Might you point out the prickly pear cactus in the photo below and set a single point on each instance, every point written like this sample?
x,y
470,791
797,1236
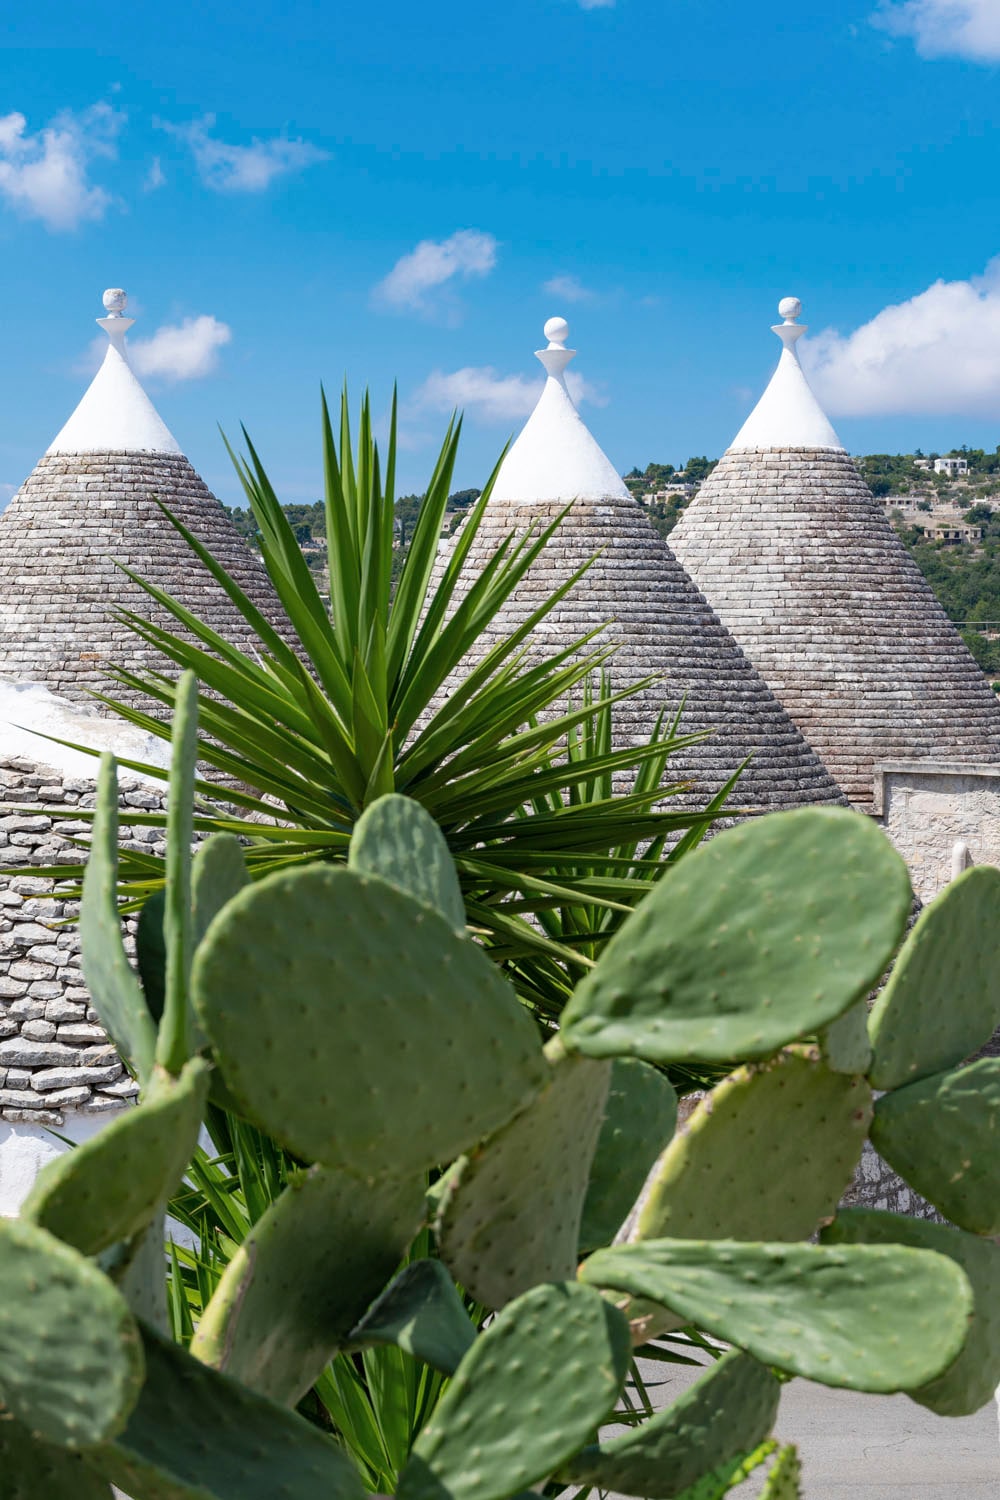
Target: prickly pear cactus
x,y
351,1014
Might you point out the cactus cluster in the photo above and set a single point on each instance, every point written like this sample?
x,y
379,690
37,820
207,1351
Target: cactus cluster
x,y
350,1013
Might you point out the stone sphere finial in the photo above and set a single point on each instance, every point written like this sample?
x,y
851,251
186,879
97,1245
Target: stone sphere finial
x,y
789,308
115,301
556,331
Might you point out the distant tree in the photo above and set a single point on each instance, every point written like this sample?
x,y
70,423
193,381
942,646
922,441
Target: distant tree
x,y
697,469
462,499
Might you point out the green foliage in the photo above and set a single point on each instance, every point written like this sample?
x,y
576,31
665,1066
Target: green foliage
x,y
730,1409
256,1451
784,1480
333,1046
277,1316
870,1317
379,697
529,1393
970,1381
396,839
828,895
954,949
70,1359
421,1312
511,1214
113,986
359,1026
939,1135
640,1116
112,1187
765,1156
31,1470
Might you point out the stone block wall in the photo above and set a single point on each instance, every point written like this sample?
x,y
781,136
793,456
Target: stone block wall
x,y
927,807
54,1056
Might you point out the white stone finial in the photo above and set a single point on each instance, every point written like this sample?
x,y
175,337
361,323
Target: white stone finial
x,y
555,356
116,325
556,330
789,332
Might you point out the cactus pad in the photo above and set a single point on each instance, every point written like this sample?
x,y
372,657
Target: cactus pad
x,y
970,1382
764,935
218,873
32,1470
870,1317
195,1435
151,952
377,1039
179,1035
765,1156
70,1353
110,1187
530,1392
941,1135
422,1313
639,1119
142,1283
845,1044
113,987
942,1001
303,1277
397,839
785,1479
511,1217
732,1407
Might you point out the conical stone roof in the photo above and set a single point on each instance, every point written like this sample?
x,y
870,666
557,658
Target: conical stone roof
x,y
90,503
659,620
792,550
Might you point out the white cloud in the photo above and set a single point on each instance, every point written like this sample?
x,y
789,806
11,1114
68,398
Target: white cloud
x,y
181,351
228,168
937,353
155,177
490,397
188,350
46,175
433,263
940,28
569,288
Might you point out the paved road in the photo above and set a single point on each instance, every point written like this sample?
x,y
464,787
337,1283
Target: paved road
x,y
858,1447
888,1448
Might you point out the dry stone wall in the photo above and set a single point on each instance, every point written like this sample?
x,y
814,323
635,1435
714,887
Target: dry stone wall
x,y
54,1055
928,808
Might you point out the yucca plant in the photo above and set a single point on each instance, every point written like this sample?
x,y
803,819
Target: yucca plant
x,y
377,694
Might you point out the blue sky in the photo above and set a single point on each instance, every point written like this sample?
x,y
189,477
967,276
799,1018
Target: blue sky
x,y
406,192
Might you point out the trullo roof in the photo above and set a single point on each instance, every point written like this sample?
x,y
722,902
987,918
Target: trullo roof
x,y
660,621
794,553
90,503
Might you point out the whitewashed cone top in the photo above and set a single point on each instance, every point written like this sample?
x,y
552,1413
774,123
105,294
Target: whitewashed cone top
x,y
115,415
788,414
555,457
